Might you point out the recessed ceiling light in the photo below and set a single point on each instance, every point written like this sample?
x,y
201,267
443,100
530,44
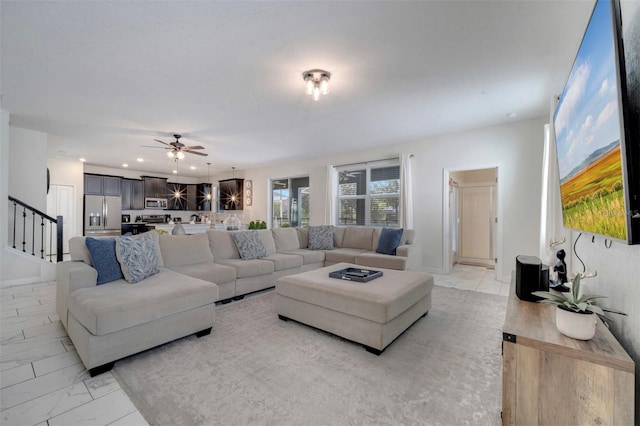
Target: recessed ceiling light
x,y
125,165
511,115
192,167
140,160
83,159
175,172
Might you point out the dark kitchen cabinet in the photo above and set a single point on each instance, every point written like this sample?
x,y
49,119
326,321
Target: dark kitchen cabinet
x,y
101,185
202,190
188,196
192,197
231,194
92,184
137,195
155,187
132,194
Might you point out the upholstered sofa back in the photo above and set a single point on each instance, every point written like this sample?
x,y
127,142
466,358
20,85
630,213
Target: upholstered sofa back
x,y
222,245
78,249
266,236
183,250
358,237
286,239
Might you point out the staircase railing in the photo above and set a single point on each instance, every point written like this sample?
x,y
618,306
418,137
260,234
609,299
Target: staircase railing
x,y
35,215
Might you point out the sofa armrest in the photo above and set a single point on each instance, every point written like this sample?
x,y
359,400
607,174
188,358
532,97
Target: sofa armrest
x,y
70,276
413,254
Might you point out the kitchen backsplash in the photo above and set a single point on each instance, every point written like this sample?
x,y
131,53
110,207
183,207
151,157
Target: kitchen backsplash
x,y
185,216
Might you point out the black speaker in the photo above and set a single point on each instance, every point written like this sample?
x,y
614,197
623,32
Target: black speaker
x,y
531,275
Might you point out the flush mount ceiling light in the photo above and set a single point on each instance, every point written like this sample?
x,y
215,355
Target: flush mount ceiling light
x,y
317,82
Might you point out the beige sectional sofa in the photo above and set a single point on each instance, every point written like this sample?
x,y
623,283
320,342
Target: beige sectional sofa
x,y
113,320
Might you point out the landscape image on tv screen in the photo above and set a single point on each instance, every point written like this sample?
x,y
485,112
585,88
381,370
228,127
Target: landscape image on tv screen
x,y
588,131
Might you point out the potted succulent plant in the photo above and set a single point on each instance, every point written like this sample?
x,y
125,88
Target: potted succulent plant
x,y
575,314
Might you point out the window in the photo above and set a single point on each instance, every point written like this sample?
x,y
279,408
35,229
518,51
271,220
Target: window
x,y
290,202
369,194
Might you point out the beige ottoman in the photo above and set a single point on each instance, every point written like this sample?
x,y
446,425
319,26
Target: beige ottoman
x,y
372,313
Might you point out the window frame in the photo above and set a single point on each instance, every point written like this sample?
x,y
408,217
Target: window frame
x,y
271,210
367,196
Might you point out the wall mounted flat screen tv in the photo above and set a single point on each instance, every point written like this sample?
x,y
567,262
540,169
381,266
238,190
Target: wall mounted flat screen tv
x,y
597,131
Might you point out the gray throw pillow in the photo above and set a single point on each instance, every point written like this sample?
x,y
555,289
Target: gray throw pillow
x,y
137,257
249,245
321,237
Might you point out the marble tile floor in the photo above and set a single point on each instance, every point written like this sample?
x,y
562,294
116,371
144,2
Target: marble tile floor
x,y
43,381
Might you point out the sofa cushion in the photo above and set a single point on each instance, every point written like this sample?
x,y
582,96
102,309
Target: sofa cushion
x,y
283,262
222,245
308,256
266,236
342,255
78,250
285,239
249,268
249,245
117,305
183,250
303,237
137,257
321,237
377,260
212,272
338,235
103,256
358,237
389,240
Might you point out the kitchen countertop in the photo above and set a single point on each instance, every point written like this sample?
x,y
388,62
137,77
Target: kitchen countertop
x,y
189,228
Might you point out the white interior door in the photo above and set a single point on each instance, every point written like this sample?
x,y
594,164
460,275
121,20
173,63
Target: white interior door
x,y
61,202
476,224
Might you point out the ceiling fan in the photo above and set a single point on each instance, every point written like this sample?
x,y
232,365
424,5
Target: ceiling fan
x,y
177,149
345,176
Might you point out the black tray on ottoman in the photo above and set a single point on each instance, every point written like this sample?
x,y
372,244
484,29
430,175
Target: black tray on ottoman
x,y
356,274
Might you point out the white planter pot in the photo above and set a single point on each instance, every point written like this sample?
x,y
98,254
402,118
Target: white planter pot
x,y
576,325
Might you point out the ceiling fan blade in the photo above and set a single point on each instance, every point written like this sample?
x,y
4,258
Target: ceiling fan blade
x,y
203,154
194,147
157,140
154,146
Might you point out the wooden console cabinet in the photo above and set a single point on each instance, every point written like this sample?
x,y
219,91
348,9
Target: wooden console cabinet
x,y
551,379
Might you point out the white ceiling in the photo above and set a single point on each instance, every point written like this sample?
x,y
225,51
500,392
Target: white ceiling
x,y
103,78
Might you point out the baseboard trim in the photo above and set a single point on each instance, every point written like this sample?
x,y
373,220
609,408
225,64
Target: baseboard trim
x,y
20,281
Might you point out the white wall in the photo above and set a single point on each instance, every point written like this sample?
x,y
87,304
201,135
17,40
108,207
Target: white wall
x,y
28,167
4,181
64,171
618,279
516,149
27,181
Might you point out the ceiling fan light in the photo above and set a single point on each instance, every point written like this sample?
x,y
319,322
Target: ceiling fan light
x,y
180,155
316,93
170,154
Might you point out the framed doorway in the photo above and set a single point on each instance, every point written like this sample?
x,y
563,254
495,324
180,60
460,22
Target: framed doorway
x,y
470,218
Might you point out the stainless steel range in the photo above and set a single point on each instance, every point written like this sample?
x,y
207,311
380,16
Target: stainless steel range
x,y
155,218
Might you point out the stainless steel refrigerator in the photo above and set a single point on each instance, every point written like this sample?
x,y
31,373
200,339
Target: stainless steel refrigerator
x,y
102,215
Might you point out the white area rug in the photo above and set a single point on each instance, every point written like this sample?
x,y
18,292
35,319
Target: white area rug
x,y
256,369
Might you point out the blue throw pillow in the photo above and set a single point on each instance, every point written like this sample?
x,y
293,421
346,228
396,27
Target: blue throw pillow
x,y
249,245
103,256
389,240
